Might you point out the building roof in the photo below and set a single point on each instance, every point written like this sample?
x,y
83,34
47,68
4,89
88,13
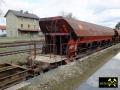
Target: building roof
x,y
23,14
2,27
82,28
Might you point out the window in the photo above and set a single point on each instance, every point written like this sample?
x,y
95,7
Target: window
x,y
28,26
34,26
21,25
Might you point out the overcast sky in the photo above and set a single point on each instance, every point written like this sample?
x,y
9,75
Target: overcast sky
x,y
103,12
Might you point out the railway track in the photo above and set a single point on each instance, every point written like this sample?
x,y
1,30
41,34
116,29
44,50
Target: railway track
x,y
19,47
11,74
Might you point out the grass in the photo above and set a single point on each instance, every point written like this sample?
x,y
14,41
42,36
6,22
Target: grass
x,y
15,58
5,49
18,58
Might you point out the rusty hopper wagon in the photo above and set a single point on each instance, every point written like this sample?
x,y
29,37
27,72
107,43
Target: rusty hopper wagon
x,y
67,37
73,33
11,74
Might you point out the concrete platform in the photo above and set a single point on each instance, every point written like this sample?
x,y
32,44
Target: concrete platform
x,y
49,58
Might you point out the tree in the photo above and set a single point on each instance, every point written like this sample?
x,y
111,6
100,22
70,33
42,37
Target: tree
x,y
67,15
117,25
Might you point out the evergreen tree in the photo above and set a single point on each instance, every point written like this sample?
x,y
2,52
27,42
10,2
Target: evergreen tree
x,y
117,25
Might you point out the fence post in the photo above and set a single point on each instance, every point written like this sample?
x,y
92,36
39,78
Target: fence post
x,y
34,49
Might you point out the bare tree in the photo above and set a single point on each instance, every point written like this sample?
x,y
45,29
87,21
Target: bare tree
x,y
68,15
1,2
